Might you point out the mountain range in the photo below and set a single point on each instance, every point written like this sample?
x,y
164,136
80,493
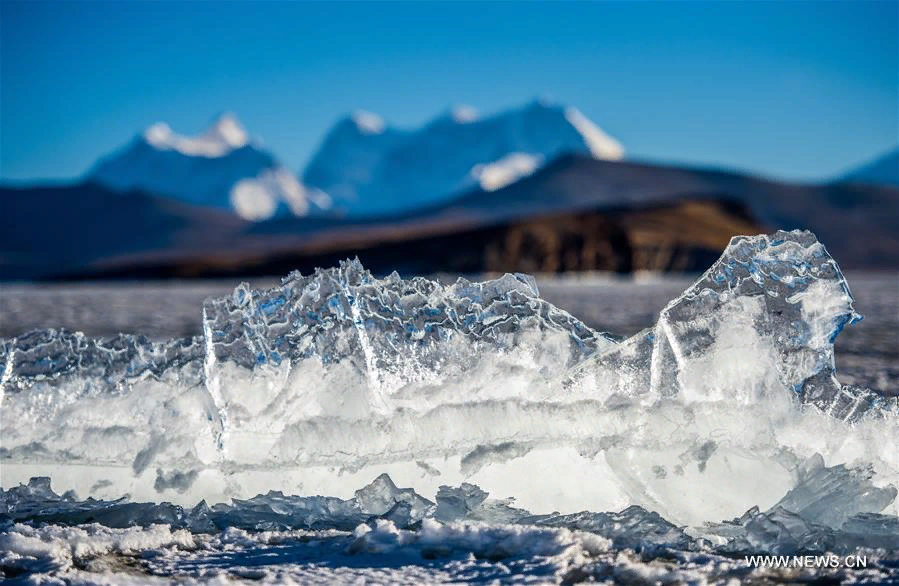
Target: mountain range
x,y
369,168
536,188
219,168
363,167
884,170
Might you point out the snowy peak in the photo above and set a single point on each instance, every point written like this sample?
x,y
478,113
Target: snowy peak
x,y
601,145
567,118
370,168
227,129
368,122
364,166
223,136
457,114
464,114
218,168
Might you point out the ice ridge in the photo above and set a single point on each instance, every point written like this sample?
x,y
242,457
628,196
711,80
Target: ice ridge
x,y
787,528
342,372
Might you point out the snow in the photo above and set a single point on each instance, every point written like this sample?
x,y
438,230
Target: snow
x,y
368,123
219,167
363,168
223,136
601,145
252,201
257,198
58,549
507,170
463,114
370,168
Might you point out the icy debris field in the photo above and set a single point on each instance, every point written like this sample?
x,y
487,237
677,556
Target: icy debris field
x,y
534,448
390,535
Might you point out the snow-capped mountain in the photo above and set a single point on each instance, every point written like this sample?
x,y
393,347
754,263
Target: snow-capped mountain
x,y
219,168
884,170
349,156
369,168
364,167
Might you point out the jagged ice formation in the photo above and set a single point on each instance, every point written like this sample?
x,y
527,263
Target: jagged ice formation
x,y
338,376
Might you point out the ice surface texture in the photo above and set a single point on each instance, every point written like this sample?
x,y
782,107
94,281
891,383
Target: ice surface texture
x,y
764,316
343,371
44,535
794,525
727,409
457,553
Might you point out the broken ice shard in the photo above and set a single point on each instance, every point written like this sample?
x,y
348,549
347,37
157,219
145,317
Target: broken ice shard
x,y
343,369
761,320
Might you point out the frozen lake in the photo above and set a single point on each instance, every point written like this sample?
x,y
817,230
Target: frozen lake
x,y
517,470
867,352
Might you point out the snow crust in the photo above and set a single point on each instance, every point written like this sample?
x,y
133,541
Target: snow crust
x,y
332,379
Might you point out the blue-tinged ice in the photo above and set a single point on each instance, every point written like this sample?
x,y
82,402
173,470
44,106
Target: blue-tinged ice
x,y
761,320
339,374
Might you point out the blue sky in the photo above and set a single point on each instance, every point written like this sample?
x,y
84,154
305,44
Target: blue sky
x,y
798,90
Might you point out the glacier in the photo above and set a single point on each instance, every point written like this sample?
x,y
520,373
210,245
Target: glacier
x,y
728,408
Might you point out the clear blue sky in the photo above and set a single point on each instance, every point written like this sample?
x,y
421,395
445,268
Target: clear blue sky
x,y
798,89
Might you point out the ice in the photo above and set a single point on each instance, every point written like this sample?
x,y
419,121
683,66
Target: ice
x,y
329,380
762,319
829,496
382,497
831,509
458,502
783,532
789,526
778,531
634,528
36,502
272,537
391,331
